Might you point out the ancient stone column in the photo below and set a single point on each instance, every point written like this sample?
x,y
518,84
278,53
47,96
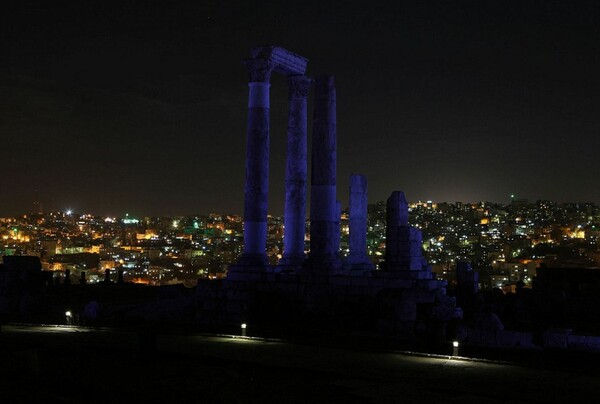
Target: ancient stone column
x,y
467,280
323,212
107,276
295,174
358,257
257,164
403,243
396,216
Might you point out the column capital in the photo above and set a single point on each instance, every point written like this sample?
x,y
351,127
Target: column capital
x,y
298,86
259,69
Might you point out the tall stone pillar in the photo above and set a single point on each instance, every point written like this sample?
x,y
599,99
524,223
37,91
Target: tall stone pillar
x,y
358,259
323,212
295,174
257,164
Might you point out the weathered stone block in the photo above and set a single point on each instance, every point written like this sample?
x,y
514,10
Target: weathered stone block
x,y
489,337
584,342
403,233
340,280
406,309
409,249
416,235
508,338
473,335
362,282
410,263
556,338
426,296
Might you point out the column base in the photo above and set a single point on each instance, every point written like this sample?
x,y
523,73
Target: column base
x,y
323,264
358,263
250,267
295,261
358,268
252,260
246,273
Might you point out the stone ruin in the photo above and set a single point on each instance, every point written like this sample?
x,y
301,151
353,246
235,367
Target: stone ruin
x,y
402,298
21,285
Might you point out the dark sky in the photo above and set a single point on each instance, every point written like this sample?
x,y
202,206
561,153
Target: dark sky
x,y
140,107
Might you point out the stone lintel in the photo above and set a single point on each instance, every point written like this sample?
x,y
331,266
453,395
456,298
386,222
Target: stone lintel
x,y
286,62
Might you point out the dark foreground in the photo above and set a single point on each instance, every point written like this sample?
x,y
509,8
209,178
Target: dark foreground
x,y
72,365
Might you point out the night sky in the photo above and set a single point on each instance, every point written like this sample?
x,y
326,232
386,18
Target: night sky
x,y
140,107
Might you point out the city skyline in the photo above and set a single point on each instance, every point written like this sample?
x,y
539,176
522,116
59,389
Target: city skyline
x,y
491,237
142,108
135,214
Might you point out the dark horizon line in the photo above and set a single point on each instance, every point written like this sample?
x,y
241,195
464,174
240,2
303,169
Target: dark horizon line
x,y
77,213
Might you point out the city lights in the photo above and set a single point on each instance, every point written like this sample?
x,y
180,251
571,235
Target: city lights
x,y
505,248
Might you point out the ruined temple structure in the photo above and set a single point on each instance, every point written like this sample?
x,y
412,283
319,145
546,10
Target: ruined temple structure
x,y
402,298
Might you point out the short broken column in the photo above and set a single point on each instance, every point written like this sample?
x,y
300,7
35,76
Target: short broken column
x,y
467,280
323,212
107,279
358,259
296,171
403,244
396,216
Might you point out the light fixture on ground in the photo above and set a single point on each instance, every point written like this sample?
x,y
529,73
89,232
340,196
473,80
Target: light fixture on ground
x,y
68,317
243,327
454,348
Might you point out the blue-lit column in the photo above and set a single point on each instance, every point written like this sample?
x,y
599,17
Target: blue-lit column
x,y
296,171
257,164
323,209
358,216
397,218
358,258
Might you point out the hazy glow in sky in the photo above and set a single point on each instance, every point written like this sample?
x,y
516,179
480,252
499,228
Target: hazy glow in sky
x,y
142,108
